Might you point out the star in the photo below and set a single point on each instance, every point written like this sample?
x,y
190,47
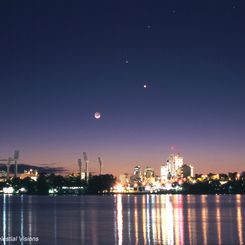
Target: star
x,y
126,61
145,86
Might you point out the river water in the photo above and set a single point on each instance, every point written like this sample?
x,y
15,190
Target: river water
x,y
123,219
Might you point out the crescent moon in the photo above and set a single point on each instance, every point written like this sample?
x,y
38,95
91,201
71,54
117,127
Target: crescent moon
x,y
97,115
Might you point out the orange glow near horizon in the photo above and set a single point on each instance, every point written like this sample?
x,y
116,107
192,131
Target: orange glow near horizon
x,y
116,162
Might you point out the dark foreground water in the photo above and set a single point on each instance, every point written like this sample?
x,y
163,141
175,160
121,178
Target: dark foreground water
x,y
123,219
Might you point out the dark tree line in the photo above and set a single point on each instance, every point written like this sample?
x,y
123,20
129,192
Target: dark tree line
x,y
214,187
61,185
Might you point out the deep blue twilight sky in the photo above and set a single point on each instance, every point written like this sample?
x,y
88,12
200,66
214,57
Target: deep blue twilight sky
x,y
62,61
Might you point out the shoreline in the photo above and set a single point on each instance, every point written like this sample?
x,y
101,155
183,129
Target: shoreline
x,y
123,193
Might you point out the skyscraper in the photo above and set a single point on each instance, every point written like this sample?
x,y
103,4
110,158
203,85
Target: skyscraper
x,y
172,166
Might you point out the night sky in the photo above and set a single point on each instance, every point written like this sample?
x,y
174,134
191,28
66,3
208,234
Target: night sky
x,y
62,61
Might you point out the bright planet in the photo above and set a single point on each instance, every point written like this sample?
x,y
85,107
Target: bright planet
x,y
97,115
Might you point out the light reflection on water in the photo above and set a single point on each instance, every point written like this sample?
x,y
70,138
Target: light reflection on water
x,y
21,218
240,219
119,219
4,219
125,219
136,219
218,219
204,218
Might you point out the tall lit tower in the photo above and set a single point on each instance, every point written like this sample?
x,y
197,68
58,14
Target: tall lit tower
x,y
100,163
8,166
86,166
16,158
79,162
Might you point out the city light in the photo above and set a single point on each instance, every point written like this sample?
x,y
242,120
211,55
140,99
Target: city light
x,y
8,190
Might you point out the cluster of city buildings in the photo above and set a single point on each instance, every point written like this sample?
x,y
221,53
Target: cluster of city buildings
x,y
173,173
173,170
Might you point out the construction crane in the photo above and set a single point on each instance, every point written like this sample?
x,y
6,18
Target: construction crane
x,y
86,166
100,163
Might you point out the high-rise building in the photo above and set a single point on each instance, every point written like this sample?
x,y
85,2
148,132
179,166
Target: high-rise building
x,y
149,173
124,180
175,168
137,171
149,176
137,176
174,162
164,173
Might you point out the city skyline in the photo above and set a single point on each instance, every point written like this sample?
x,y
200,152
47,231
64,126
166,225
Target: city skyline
x,y
95,166
159,74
